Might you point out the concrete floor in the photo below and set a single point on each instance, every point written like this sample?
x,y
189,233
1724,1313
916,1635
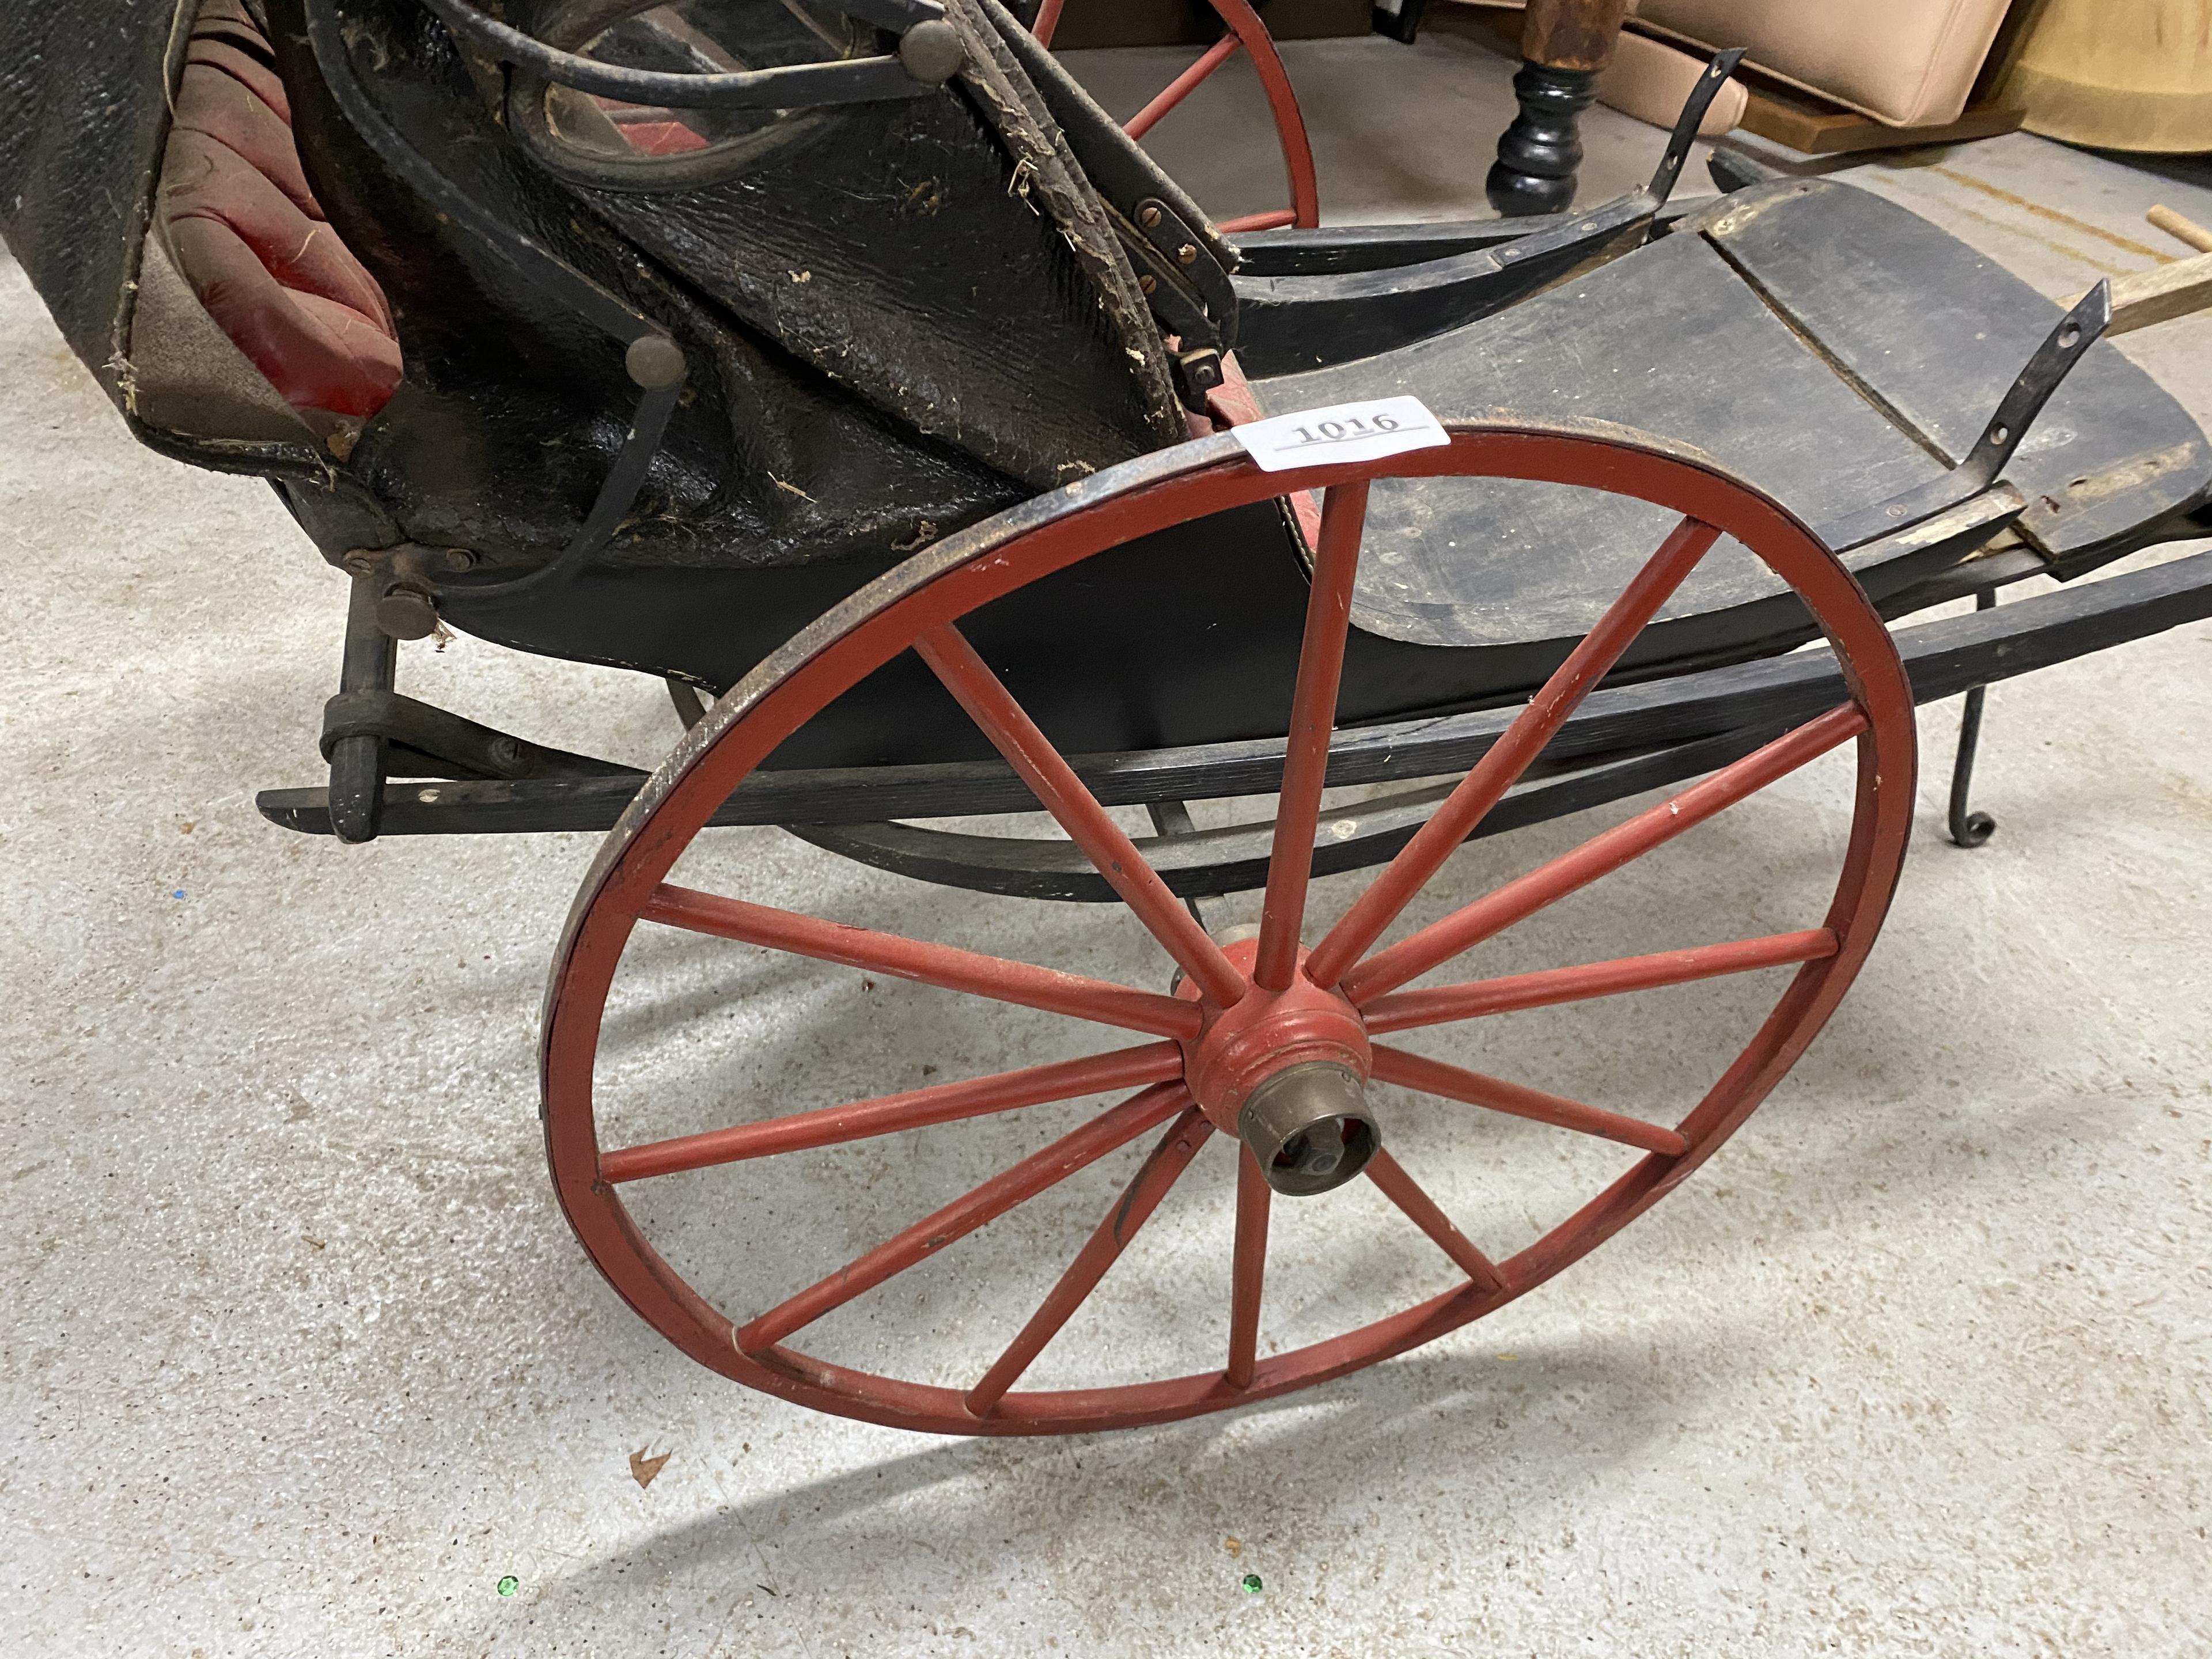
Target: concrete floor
x,y
303,1360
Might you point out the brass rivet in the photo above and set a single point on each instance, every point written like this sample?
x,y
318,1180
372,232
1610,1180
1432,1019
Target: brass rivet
x,y
1148,283
1186,254
1148,217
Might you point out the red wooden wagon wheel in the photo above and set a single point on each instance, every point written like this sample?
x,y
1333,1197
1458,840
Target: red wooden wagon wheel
x,y
1243,27
1264,1043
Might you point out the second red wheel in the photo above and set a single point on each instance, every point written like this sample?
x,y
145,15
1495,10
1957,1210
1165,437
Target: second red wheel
x,y
1287,1056
1242,29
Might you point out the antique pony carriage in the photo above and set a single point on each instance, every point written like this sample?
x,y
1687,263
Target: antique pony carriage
x,y
841,363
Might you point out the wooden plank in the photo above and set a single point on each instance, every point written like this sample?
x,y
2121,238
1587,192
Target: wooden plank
x,y
1936,333
2143,297
1818,128
1667,339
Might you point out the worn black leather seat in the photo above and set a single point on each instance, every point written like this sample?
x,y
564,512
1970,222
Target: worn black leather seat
x,y
900,316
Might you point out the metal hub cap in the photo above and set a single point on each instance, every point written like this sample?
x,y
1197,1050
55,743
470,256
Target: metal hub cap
x,y
1309,1127
1285,1072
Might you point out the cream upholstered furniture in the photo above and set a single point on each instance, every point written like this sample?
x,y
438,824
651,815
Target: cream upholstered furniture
x,y
1908,65
1904,63
1650,79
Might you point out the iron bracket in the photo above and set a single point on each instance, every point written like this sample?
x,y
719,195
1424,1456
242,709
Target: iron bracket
x,y
2067,344
427,741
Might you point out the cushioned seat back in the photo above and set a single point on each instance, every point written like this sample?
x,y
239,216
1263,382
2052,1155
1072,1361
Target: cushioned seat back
x,y
237,217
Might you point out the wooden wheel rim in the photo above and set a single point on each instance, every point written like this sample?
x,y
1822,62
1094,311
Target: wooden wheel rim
x,y
1243,25
1023,545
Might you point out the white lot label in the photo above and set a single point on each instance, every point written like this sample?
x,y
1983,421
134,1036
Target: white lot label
x,y
1342,431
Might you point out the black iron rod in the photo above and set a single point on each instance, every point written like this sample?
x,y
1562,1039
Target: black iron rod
x,y
369,663
1970,829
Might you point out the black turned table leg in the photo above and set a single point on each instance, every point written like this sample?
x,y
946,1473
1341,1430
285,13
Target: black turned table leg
x,y
1564,45
1539,155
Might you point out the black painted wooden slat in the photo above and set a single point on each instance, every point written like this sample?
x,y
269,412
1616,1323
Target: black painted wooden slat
x,y
1943,658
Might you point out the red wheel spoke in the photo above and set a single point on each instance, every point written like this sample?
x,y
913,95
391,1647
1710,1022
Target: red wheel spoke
x,y
1274,221
1602,853
1404,1010
1387,1174
1114,1128
945,1103
1131,1211
1048,20
1312,721
1244,28
1516,748
988,703
1182,86
942,965
1434,1077
1248,1271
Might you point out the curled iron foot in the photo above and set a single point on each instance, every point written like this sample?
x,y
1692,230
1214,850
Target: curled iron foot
x,y
1970,829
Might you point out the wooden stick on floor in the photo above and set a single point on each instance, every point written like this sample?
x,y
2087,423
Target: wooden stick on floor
x,y
2181,229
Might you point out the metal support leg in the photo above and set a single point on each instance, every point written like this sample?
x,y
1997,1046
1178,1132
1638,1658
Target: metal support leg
x,y
690,706
1172,818
357,763
1970,829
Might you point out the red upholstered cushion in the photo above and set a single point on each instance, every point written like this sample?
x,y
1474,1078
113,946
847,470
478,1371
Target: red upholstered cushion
x,y
252,241
659,138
